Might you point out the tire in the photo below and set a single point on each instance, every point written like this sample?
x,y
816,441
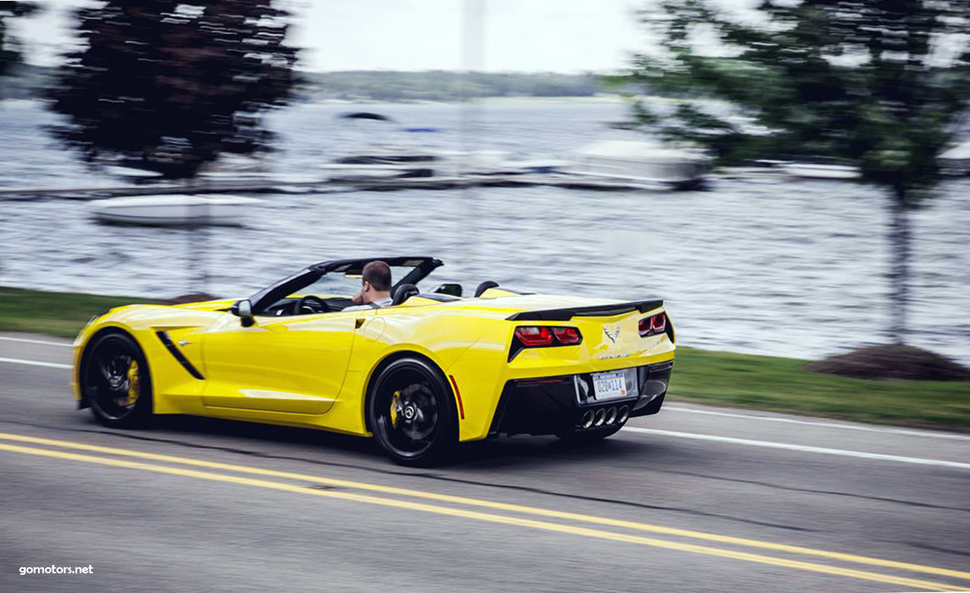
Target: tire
x,y
412,413
116,381
585,437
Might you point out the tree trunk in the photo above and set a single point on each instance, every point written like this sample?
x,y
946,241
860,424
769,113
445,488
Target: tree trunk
x,y
899,268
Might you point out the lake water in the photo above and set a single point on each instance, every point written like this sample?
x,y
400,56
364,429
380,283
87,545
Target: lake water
x,y
793,269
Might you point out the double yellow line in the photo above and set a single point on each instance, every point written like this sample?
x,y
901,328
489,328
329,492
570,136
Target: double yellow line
x,y
490,517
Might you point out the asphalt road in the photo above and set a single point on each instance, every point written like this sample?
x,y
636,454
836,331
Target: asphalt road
x,y
693,499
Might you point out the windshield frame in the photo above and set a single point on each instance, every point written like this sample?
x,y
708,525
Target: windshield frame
x,y
422,266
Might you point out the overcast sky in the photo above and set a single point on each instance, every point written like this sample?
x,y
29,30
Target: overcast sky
x,y
519,35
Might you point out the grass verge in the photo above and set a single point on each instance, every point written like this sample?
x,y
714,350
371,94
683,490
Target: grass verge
x,y
703,376
785,385
61,314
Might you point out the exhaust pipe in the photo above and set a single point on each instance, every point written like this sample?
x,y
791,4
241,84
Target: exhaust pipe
x,y
587,420
623,414
611,416
599,417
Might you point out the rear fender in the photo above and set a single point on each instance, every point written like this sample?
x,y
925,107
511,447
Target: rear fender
x,y
441,337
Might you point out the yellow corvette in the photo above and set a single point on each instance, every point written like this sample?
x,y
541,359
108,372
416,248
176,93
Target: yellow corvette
x,y
419,375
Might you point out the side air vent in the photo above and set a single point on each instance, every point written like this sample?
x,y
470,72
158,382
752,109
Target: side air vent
x,y
173,349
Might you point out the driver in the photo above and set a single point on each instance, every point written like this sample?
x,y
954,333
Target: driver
x,y
375,287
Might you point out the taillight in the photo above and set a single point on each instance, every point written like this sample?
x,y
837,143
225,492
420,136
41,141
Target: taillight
x,y
567,336
541,336
653,325
534,337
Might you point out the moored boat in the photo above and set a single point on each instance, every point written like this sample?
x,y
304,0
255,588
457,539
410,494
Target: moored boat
x,y
640,162
956,160
174,210
822,171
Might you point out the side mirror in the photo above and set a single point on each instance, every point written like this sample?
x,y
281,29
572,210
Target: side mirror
x,y
244,309
449,288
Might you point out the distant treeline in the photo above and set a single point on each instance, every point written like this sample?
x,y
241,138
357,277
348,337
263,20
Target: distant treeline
x,y
27,81
440,85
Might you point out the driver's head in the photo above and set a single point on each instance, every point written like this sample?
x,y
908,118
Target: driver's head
x,y
376,282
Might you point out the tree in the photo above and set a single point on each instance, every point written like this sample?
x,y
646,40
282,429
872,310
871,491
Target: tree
x,y
880,84
9,51
167,86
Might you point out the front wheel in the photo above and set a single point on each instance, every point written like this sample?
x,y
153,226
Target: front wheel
x,y
411,413
116,381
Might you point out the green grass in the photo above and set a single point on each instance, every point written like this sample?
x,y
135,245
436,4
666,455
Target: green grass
x,y
53,313
703,376
784,385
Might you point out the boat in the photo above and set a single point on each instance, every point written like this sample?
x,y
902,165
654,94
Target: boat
x,y
365,116
135,176
403,161
391,158
640,162
956,160
131,172
381,162
174,210
822,171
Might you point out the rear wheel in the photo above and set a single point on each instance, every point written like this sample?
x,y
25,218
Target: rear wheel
x,y
116,382
411,413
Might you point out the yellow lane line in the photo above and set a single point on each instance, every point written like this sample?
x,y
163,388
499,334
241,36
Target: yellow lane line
x,y
488,517
527,510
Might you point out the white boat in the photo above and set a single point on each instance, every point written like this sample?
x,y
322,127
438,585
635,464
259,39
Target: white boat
x,y
131,172
640,163
956,160
236,167
391,161
174,209
389,157
821,171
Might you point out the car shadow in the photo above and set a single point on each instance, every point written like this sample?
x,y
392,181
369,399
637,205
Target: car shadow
x,y
334,449
526,451
248,438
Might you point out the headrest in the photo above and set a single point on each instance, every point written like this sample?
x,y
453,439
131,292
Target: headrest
x,y
403,293
485,286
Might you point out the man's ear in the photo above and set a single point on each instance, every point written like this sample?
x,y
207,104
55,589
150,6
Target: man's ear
x,y
364,286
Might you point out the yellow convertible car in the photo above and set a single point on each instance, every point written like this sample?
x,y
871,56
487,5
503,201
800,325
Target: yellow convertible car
x,y
421,374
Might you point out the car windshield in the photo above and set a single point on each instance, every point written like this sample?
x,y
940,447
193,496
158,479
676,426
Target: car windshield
x,y
347,284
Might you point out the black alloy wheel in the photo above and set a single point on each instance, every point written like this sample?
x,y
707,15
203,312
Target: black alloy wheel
x,y
411,412
115,380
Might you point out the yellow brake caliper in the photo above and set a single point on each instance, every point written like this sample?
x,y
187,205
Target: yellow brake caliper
x,y
395,404
134,385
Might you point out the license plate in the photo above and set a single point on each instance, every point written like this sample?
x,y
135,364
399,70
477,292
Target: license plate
x,y
610,385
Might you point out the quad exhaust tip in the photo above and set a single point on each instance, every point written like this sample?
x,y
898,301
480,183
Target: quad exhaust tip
x,y
598,417
623,414
604,417
610,416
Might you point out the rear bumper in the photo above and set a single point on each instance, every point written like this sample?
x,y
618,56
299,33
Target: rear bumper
x,y
551,405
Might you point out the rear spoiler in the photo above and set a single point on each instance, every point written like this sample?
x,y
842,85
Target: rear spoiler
x,y
594,311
